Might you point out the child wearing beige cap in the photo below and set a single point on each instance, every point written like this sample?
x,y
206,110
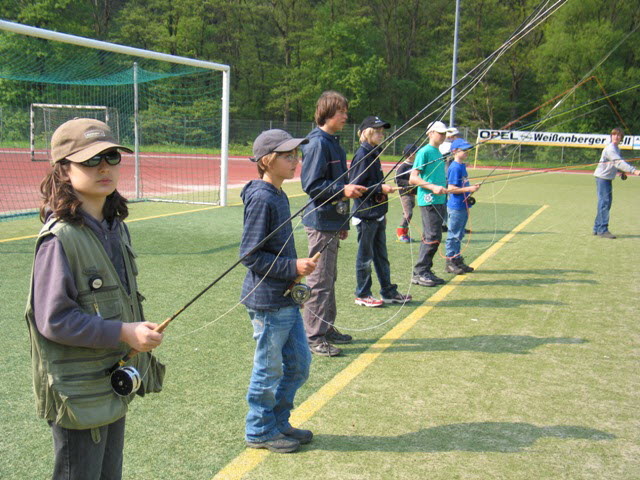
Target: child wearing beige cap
x,y
84,310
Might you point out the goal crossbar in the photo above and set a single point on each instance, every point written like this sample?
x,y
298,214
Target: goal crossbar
x,y
138,52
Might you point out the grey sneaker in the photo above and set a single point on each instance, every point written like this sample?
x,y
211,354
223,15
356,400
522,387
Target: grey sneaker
x,y
334,336
281,443
303,436
427,279
607,234
397,298
324,349
423,281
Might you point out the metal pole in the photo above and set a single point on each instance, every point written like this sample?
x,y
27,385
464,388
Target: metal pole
x,y
452,116
224,134
136,138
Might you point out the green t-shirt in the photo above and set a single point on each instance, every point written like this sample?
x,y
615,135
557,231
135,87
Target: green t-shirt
x,y
431,164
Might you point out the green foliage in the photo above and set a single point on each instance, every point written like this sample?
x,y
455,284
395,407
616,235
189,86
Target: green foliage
x,y
389,58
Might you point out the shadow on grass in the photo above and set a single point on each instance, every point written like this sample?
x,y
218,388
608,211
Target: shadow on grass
x,y
504,232
503,437
527,282
546,271
494,302
516,344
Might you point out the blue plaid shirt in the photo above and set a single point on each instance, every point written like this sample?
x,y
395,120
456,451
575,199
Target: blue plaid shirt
x,y
272,267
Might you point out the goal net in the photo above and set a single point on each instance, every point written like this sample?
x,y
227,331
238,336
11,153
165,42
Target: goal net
x,y
171,111
44,118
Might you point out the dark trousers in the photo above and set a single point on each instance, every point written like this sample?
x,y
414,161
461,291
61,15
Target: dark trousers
x,y
319,313
432,217
372,248
92,454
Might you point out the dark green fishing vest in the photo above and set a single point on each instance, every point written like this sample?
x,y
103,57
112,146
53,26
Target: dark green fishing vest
x,y
71,384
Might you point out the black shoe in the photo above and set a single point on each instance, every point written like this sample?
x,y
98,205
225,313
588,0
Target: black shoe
x,y
460,261
324,349
607,234
281,443
438,280
337,338
303,436
453,267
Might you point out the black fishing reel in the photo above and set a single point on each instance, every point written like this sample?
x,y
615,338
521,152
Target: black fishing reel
x,y
125,380
471,201
380,198
623,176
342,207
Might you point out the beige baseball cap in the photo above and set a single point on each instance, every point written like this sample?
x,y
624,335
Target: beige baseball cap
x,y
82,138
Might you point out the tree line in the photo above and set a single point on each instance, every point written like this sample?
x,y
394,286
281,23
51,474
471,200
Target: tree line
x,y
389,57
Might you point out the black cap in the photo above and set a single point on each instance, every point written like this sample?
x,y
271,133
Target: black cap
x,y
373,122
274,140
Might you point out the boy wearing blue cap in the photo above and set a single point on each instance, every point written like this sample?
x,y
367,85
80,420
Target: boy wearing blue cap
x,y
458,206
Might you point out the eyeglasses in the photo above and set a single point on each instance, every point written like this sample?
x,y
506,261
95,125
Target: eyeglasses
x,y
290,157
112,158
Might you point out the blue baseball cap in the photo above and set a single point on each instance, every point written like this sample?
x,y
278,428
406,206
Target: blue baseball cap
x,y
460,144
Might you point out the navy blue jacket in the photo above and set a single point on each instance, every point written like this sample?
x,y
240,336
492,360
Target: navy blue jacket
x,y
272,267
366,170
323,162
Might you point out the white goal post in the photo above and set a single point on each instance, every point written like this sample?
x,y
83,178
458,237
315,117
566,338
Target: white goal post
x,y
19,29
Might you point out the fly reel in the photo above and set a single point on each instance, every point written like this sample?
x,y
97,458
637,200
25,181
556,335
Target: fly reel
x,y
471,201
623,176
125,381
300,293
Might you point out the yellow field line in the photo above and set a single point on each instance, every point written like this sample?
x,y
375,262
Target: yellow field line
x,y
251,458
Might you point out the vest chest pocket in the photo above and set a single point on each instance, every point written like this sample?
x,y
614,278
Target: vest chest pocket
x,y
104,302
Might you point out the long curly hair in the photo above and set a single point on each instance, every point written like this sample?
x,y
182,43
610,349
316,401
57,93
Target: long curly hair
x,y
59,198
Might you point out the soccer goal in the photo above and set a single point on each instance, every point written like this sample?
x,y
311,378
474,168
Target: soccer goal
x,y
44,118
173,112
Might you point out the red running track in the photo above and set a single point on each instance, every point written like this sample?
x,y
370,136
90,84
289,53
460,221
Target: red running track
x,y
161,174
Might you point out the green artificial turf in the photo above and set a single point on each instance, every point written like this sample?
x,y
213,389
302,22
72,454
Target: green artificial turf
x,y
527,369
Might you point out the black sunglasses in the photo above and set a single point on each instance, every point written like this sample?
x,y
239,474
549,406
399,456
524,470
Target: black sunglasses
x,y
112,158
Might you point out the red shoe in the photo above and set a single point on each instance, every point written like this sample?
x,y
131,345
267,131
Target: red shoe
x,y
369,302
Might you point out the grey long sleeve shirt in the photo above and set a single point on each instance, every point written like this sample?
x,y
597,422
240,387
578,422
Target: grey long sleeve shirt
x,y
610,162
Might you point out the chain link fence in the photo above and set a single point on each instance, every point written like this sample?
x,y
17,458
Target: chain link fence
x,y
244,132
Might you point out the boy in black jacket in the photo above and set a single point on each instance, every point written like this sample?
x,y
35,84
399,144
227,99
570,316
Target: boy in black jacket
x,y
369,217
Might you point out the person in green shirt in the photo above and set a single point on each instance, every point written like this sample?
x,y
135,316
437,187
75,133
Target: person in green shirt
x,y
429,176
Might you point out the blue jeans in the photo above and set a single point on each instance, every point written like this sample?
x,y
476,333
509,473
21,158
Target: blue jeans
x,y
605,198
280,366
372,248
457,222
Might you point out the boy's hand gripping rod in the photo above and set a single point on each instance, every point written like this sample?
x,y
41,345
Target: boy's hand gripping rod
x,y
299,291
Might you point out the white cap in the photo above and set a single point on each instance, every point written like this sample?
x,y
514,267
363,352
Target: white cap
x,y
437,127
451,131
